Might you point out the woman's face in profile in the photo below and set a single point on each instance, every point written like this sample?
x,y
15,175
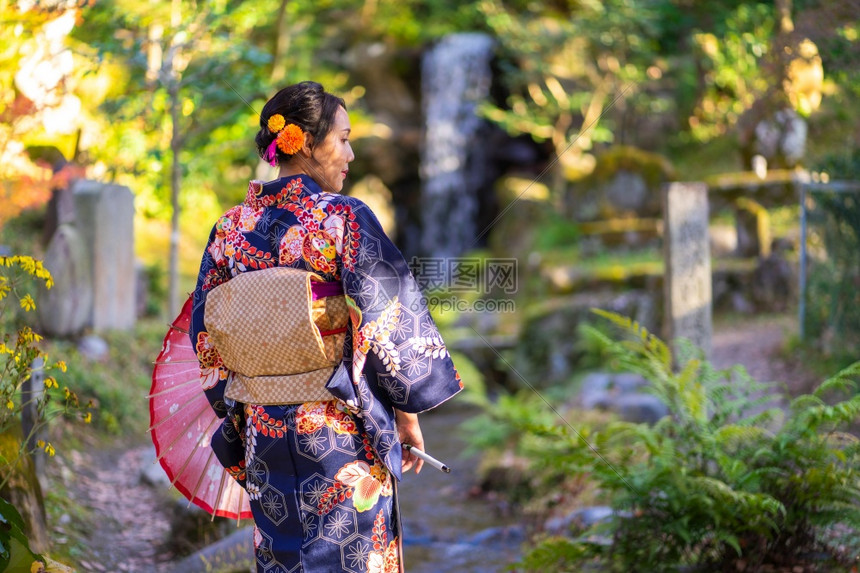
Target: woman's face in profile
x,y
335,153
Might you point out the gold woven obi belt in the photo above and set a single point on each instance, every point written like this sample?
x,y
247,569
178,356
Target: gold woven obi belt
x,y
281,331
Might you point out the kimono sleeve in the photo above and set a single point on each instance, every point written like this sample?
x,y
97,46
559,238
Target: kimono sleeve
x,y
213,373
396,346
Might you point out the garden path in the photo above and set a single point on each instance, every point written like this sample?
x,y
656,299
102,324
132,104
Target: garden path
x,y
757,343
113,521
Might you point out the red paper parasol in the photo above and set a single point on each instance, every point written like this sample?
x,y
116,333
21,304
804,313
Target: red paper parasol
x,y
181,423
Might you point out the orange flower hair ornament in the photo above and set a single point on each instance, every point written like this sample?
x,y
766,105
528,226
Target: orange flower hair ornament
x,y
289,138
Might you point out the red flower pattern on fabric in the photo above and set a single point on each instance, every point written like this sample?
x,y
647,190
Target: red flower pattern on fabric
x,y
319,235
384,558
212,369
237,472
266,425
313,416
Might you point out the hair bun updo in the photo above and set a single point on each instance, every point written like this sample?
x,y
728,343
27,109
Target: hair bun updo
x,y
305,104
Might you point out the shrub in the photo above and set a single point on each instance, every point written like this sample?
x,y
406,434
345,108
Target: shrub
x,y
21,357
726,478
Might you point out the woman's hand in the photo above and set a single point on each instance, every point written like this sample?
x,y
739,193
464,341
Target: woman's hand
x,y
410,433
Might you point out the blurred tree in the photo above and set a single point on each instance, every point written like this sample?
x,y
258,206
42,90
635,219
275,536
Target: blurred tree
x,y
763,61
565,65
180,62
35,101
834,27
728,58
190,78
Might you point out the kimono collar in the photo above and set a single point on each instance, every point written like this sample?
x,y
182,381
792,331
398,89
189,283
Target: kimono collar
x,y
262,194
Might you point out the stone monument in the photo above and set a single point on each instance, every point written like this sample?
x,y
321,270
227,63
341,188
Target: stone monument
x,y
104,215
65,310
687,283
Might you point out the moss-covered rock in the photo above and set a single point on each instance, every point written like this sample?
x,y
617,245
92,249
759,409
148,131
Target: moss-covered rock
x,y
625,181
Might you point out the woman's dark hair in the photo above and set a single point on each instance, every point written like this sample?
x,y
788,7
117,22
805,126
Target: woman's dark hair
x,y
307,105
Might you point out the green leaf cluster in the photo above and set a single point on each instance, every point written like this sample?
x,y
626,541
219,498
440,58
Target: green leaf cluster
x,y
728,475
15,553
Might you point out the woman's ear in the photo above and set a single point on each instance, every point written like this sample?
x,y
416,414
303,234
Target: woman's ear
x,y
308,146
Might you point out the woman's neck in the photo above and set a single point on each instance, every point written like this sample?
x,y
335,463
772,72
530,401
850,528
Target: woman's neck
x,y
302,166
291,169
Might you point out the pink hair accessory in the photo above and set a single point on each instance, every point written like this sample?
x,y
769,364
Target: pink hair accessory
x,y
272,153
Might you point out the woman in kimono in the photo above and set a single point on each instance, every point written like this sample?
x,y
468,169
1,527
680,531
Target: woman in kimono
x,y
322,475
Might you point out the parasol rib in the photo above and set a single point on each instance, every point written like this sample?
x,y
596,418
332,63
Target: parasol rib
x,y
238,509
218,497
172,388
191,454
178,328
202,474
176,439
200,480
178,410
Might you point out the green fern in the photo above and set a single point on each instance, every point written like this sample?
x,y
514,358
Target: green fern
x,y
727,474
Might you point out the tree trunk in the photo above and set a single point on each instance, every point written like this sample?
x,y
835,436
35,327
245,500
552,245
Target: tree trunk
x,y
281,45
22,489
175,182
173,80
786,24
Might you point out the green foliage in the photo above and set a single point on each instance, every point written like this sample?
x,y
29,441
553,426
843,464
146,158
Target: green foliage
x,y
555,231
176,55
15,552
832,316
500,423
726,476
117,384
731,57
156,289
21,358
557,554
411,22
841,165
563,68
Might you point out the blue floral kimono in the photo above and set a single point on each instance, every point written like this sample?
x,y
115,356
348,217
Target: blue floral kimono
x,y
319,474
